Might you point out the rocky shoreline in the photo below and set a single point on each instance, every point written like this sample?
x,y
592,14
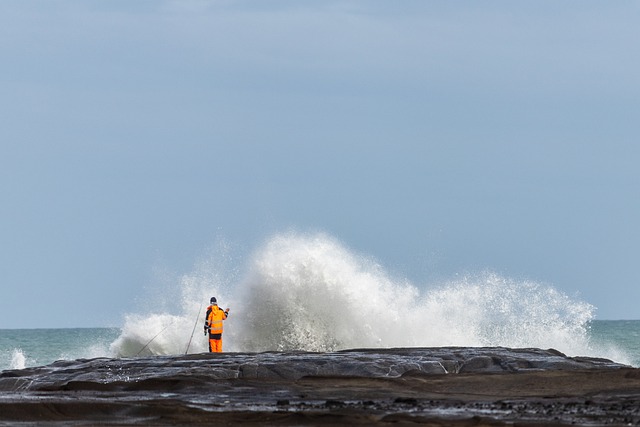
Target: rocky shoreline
x,y
407,386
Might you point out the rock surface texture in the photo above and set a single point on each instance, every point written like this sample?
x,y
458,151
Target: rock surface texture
x,y
404,386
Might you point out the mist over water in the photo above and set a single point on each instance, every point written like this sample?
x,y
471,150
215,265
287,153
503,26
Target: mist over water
x,y
309,292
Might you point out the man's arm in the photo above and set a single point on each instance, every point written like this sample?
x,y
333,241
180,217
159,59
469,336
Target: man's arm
x,y
206,321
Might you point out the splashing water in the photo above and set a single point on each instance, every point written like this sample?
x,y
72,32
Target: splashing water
x,y
162,333
309,292
18,359
489,310
313,294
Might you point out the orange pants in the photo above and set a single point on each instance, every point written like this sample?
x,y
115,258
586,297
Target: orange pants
x,y
215,346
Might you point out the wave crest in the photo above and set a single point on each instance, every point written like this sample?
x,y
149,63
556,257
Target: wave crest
x,y
309,292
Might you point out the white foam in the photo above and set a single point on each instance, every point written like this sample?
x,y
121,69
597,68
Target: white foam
x,y
309,292
18,359
162,333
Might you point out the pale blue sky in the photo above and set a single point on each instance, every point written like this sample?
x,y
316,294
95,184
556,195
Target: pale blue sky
x,y
438,137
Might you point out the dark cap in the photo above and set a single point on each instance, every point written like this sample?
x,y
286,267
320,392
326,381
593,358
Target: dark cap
x,y
213,300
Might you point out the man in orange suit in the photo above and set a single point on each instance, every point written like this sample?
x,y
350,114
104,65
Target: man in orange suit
x,y
213,325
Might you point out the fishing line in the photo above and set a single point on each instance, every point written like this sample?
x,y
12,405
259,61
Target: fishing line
x,y
194,329
156,336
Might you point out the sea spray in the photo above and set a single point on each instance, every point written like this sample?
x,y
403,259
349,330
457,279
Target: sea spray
x,y
18,359
310,292
490,310
161,333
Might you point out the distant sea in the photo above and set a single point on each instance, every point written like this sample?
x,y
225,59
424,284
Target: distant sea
x,y
23,348
621,336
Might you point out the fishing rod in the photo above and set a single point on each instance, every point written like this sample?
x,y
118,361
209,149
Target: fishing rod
x,y
194,329
156,336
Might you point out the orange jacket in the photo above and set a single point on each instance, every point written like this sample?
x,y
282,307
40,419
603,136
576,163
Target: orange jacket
x,y
213,320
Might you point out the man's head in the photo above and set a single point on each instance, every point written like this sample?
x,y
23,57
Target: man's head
x,y
213,301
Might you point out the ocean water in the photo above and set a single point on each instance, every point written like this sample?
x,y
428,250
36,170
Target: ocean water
x,y
309,292
618,340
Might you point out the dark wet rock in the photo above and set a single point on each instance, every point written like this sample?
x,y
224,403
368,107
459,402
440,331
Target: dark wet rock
x,y
439,386
370,363
406,401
